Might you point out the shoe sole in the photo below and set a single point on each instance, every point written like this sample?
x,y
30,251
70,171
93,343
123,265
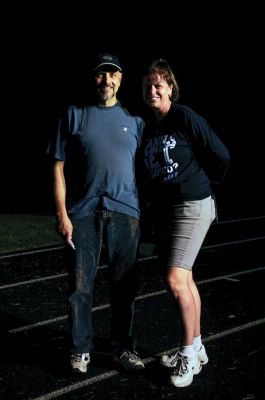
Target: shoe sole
x,y
183,384
79,371
118,362
127,368
137,368
188,383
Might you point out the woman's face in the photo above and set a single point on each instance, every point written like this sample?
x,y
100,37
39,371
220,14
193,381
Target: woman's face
x,y
156,93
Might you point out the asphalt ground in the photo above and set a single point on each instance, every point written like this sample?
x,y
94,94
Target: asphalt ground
x,y
35,338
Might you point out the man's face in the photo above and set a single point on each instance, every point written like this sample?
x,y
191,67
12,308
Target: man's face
x,y
107,81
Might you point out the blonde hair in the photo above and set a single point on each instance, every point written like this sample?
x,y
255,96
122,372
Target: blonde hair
x,y
162,68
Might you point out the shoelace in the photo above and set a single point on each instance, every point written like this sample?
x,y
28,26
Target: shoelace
x,y
130,355
78,357
181,366
174,357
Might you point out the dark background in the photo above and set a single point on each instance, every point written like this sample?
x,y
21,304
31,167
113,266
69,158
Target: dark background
x,y
217,54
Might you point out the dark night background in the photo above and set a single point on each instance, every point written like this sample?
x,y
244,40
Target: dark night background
x,y
216,52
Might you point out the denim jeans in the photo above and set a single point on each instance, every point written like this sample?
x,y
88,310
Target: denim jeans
x,y
120,233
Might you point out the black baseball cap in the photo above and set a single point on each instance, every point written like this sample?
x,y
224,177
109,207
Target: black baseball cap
x,y
107,59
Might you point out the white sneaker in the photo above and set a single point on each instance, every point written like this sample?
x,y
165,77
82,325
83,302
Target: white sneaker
x,y
182,374
202,356
79,362
170,360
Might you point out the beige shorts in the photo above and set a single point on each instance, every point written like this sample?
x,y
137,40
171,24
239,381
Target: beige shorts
x,y
186,226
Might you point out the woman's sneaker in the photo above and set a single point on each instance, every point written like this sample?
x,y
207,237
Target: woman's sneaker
x,y
79,362
129,360
185,367
170,360
202,356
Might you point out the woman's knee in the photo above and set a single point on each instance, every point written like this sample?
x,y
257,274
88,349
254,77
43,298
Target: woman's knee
x,y
177,279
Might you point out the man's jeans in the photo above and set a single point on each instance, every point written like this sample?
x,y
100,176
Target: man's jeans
x,y
121,237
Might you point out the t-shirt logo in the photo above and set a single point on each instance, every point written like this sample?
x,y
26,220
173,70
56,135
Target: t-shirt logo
x,y
124,128
158,157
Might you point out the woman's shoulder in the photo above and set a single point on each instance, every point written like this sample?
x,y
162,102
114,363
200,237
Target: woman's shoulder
x,y
182,109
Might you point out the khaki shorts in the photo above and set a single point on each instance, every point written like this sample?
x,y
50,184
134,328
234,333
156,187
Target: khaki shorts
x,y
183,231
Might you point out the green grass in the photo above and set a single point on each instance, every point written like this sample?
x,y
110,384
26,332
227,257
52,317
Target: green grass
x,y
20,232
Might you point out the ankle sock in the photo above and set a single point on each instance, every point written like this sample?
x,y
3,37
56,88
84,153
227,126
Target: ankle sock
x,y
188,351
197,343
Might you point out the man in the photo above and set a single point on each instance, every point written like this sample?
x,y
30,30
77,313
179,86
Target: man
x,y
95,197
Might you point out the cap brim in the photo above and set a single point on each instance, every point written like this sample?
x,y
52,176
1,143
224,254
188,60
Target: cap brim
x,y
112,64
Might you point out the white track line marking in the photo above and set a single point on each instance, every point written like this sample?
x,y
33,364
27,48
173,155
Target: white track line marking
x,y
60,247
56,276
110,374
232,243
28,282
142,297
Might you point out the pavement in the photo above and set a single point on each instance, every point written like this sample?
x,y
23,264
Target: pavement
x,y
35,337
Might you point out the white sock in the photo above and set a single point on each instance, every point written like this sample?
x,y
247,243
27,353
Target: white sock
x,y
188,351
197,343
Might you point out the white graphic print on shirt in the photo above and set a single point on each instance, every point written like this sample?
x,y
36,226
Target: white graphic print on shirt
x,y
157,157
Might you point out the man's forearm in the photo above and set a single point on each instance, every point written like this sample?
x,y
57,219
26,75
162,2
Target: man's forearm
x,y
65,227
59,190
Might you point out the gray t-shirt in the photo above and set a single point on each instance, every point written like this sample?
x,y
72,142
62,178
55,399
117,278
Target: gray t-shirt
x,y
98,145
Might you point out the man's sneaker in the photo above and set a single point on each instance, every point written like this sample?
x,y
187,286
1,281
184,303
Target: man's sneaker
x,y
182,374
79,362
129,360
169,360
202,356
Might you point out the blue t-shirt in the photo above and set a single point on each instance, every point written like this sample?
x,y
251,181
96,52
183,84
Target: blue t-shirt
x,y
98,145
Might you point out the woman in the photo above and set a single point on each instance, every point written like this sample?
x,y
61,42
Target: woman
x,y
182,156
